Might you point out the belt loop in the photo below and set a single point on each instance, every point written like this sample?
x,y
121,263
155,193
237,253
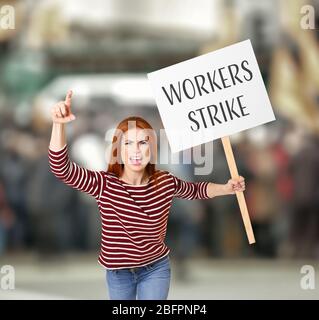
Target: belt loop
x,y
133,270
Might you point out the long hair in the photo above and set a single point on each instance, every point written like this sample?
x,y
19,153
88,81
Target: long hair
x,y
116,165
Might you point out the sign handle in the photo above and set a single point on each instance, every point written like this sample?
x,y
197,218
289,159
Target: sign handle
x,y
240,195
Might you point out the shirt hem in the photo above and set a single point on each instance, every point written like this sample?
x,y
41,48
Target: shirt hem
x,y
139,266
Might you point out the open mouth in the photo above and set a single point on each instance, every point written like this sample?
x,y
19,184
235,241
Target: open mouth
x,y
136,160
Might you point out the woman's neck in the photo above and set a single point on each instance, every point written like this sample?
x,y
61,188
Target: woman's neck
x,y
134,178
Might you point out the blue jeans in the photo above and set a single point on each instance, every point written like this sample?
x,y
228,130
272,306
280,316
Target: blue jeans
x,y
150,282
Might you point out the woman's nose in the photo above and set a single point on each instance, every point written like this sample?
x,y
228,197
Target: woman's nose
x,y
136,147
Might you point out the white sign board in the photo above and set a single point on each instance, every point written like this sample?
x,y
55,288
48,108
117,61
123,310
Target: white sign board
x,y
211,96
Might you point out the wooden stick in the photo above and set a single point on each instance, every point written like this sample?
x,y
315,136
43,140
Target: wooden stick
x,y
239,194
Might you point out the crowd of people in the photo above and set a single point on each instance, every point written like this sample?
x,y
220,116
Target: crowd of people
x,y
280,162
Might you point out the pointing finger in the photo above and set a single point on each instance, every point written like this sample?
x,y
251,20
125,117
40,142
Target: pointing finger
x,y
68,98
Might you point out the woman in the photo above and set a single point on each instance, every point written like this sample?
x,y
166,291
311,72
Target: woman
x,y
134,201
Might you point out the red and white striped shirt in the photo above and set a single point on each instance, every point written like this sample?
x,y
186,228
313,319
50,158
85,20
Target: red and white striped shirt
x,y
134,217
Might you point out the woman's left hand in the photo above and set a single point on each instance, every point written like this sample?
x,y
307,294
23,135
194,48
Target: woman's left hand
x,y
234,185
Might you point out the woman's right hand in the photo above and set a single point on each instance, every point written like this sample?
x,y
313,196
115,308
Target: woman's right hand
x,y
61,112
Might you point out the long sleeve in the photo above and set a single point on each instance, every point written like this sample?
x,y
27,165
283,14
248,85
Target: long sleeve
x,y
190,190
88,181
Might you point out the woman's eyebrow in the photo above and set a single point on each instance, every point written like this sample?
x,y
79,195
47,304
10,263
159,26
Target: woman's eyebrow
x,y
127,140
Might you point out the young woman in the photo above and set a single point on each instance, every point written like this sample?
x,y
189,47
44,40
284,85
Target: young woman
x,y
134,200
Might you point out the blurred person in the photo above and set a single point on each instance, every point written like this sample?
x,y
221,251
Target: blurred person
x,y
14,174
304,223
134,201
7,220
262,188
53,222
284,184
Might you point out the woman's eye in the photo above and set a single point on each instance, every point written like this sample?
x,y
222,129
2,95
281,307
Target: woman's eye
x,y
143,142
127,142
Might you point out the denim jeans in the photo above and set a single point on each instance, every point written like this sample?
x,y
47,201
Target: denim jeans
x,y
150,282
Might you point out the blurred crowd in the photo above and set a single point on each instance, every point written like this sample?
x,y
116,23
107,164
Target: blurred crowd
x,y
279,160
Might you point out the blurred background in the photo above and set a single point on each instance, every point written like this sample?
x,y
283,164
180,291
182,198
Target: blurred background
x,y
102,50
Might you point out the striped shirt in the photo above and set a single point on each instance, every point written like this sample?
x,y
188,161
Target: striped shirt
x,y
134,217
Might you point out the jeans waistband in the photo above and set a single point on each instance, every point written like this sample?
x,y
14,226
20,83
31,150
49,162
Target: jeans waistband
x,y
148,265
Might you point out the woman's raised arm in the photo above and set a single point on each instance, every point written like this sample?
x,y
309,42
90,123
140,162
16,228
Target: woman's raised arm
x,y
61,114
62,167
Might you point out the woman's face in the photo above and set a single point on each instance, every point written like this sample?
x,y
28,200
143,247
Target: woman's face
x,y
135,149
